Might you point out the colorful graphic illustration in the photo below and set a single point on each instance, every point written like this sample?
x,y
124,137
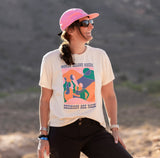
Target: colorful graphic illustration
x,y
79,86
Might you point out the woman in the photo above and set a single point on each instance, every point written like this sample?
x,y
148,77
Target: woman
x,y
73,80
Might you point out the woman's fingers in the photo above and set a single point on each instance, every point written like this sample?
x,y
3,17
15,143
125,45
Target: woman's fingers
x,y
122,143
42,147
47,148
117,138
115,135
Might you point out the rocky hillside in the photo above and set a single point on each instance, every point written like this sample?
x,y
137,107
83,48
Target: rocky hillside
x,y
127,29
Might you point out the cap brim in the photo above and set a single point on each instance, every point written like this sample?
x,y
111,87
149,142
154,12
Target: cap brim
x,y
93,15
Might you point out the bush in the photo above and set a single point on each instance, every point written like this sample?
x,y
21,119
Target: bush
x,y
151,87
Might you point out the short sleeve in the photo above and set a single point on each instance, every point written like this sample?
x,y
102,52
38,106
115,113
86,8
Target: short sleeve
x,y
107,71
46,74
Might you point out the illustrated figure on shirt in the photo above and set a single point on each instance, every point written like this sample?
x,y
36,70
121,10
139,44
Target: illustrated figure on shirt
x,y
66,87
87,78
83,92
78,90
74,83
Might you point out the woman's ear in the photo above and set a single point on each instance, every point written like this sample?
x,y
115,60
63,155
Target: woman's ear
x,y
70,31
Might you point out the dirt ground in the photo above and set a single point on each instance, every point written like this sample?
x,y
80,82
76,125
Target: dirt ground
x,y
138,118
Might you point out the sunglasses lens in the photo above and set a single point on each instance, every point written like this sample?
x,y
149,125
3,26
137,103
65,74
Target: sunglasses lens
x,y
85,23
91,22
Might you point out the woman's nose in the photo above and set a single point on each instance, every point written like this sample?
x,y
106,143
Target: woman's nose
x,y
90,26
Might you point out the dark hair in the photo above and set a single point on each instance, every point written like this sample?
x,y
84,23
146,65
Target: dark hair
x,y
66,53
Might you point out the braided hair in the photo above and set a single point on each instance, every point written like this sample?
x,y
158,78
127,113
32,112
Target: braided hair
x,y
65,50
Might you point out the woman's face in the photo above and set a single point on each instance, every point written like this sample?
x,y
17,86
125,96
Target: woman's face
x,y
86,31
82,33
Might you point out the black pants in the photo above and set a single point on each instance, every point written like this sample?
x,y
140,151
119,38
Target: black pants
x,y
84,135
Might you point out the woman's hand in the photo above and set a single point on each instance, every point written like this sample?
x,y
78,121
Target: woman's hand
x,y
42,147
116,137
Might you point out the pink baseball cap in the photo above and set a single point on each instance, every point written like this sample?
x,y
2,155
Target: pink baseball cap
x,y
71,15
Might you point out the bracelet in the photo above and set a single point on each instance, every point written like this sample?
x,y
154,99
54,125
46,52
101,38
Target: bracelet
x,y
43,138
114,126
43,129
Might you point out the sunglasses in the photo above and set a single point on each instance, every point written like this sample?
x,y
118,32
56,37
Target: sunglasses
x,y
85,23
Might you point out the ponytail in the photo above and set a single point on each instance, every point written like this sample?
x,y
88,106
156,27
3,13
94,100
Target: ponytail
x,y
66,54
65,50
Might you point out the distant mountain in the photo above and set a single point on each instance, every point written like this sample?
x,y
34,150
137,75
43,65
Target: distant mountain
x,y
127,29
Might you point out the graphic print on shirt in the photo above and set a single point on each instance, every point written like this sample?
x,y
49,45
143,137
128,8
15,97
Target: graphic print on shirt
x,y
78,86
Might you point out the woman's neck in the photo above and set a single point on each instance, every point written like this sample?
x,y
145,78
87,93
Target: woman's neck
x,y
77,48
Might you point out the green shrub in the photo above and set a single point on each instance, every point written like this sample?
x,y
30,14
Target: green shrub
x,y
151,87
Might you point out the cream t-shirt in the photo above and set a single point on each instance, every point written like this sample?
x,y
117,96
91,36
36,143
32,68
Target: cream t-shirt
x,y
76,88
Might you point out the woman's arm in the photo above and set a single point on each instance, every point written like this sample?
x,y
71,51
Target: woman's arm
x,y
44,111
44,107
110,102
